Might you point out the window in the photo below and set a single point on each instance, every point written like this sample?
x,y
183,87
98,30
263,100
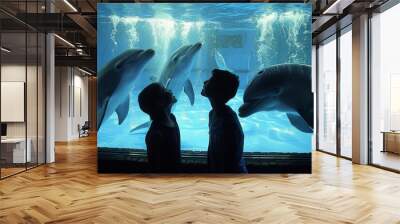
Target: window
x,y
385,89
346,93
327,95
22,78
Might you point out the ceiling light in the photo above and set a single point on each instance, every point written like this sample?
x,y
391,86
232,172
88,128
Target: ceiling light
x,y
326,11
70,5
84,71
64,40
5,50
338,6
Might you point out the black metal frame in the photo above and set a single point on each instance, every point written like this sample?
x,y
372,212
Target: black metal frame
x,y
338,153
389,4
44,71
26,92
316,126
318,98
380,9
0,89
369,78
338,98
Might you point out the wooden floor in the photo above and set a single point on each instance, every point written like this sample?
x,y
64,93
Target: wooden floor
x,y
71,191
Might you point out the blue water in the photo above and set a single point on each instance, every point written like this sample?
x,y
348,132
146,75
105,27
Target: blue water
x,y
249,37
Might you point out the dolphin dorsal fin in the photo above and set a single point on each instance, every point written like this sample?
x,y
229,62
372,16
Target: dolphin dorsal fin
x,y
102,111
144,125
220,60
122,110
188,89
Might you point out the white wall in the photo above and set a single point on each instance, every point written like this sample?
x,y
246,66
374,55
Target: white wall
x,y
17,73
61,103
71,94
80,103
13,72
13,100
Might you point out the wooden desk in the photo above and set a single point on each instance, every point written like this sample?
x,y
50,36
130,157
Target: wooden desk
x,y
391,141
16,147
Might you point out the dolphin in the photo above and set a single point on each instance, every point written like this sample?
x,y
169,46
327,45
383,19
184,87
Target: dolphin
x,y
175,75
115,81
285,88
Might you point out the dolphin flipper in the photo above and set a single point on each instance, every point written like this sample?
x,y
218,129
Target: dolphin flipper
x,y
122,110
144,125
298,122
101,112
188,89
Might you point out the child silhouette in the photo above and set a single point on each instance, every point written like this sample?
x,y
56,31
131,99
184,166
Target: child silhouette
x,y
225,149
163,137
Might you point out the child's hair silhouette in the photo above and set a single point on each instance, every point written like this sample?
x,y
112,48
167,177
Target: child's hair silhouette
x,y
153,98
224,85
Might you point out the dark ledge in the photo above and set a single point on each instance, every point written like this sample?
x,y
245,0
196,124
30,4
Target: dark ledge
x,y
135,161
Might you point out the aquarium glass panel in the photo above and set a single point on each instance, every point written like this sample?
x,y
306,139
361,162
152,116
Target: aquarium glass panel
x,y
327,95
268,46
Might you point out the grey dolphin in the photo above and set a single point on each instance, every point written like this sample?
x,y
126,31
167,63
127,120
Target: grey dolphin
x,y
115,81
285,88
175,75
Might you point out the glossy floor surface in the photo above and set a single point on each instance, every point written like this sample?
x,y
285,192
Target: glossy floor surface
x,y
386,159
71,191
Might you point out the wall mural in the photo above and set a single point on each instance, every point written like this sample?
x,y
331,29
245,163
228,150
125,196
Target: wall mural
x,y
204,87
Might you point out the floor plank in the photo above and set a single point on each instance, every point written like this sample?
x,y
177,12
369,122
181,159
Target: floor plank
x,y
71,191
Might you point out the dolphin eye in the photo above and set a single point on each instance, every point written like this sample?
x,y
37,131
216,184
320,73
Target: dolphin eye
x,y
119,65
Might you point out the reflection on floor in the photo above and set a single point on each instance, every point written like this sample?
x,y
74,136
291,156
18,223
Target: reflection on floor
x,y
386,159
10,171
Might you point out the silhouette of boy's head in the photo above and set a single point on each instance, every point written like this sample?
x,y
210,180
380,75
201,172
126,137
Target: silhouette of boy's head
x,y
155,99
221,87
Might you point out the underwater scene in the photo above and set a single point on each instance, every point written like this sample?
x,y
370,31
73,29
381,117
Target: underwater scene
x,y
267,45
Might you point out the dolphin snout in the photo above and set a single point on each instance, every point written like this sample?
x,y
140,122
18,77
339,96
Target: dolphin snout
x,y
149,53
197,45
244,110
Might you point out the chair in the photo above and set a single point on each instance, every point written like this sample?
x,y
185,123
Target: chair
x,y
84,130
